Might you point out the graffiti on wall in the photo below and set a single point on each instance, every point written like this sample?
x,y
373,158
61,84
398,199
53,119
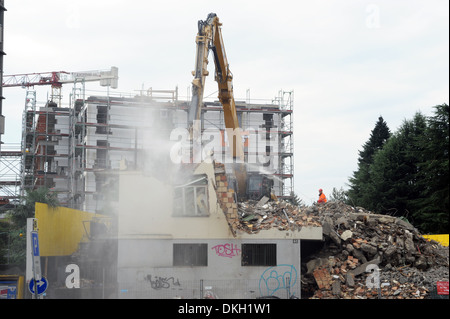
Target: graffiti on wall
x,y
158,282
227,250
277,278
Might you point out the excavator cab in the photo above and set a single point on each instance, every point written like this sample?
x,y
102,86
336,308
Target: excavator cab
x,y
258,185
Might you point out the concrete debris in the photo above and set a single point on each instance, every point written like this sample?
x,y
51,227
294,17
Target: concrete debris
x,y
366,255
254,216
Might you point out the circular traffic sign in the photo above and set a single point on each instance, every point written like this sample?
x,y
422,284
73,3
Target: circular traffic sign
x,y
40,284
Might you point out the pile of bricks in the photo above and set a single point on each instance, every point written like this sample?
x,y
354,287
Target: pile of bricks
x,y
323,278
351,263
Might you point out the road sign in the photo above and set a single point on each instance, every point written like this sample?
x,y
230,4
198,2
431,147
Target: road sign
x,y
36,257
35,243
41,285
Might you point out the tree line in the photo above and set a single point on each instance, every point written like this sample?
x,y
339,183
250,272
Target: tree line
x,y
405,173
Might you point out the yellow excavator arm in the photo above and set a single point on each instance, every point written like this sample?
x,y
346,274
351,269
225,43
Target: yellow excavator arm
x,y
209,37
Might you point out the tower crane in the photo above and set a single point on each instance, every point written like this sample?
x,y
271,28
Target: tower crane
x,y
57,78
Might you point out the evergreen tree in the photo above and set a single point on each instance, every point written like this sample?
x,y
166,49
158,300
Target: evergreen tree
x,y
409,175
360,183
431,209
295,200
338,195
394,184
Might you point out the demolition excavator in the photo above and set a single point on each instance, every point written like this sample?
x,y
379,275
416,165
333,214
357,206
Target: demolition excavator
x,y
209,37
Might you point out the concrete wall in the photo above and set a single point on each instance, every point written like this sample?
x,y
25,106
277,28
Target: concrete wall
x,y
146,270
146,210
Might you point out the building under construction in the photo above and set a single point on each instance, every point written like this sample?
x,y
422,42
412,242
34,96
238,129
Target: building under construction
x,y
76,151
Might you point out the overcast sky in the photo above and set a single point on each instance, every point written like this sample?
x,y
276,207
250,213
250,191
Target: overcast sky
x,y
347,62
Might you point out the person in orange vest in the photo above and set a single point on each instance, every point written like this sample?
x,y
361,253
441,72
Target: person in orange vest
x,y
322,197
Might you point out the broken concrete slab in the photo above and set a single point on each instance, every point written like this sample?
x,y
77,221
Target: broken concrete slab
x,y
336,286
362,268
262,201
369,249
346,235
350,279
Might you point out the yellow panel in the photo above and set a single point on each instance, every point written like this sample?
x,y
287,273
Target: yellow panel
x,y
61,229
442,238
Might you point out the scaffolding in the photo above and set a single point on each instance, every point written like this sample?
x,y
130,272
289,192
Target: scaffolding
x,y
285,100
45,147
10,161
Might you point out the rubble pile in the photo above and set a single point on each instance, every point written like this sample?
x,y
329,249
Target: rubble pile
x,y
364,255
252,216
264,214
367,255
